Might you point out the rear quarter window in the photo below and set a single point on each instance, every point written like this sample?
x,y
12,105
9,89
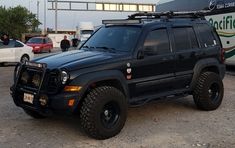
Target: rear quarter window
x,y
206,36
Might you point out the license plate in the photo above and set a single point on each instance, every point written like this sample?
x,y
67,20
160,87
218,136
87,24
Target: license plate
x,y
28,98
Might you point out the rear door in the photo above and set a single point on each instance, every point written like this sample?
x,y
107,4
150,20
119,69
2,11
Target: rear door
x,y
187,52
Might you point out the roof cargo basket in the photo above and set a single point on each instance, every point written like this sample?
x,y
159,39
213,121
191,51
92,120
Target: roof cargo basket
x,y
169,14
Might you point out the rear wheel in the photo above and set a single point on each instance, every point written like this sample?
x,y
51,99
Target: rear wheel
x,y
209,91
24,58
103,112
34,114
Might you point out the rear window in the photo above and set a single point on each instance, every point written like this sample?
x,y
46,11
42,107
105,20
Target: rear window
x,y
35,40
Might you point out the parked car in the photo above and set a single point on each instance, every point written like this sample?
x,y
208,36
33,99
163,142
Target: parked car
x,y
15,51
129,62
40,44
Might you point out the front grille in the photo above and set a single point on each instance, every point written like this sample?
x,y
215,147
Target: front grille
x,y
53,82
39,80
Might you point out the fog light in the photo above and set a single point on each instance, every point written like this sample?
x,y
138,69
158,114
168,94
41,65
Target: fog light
x,y
43,100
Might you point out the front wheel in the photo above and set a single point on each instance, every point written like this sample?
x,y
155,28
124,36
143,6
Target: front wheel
x,y
209,91
103,112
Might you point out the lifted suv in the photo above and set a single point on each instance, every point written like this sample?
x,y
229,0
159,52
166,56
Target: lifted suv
x,y
126,62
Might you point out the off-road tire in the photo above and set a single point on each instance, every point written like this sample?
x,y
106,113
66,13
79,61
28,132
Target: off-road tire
x,y
209,91
34,114
92,112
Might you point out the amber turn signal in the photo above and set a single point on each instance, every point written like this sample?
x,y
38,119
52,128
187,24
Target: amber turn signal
x,y
72,88
71,102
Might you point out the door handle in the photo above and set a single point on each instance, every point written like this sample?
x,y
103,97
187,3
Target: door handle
x,y
167,58
181,56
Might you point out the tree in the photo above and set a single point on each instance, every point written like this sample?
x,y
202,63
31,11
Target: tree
x,y
17,20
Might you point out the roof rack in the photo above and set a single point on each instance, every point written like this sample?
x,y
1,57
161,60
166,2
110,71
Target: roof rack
x,y
169,14
121,21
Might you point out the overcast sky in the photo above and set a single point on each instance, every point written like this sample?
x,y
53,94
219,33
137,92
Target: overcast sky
x,y
70,19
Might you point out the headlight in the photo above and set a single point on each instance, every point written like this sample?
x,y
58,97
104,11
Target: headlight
x,y
24,77
36,80
64,77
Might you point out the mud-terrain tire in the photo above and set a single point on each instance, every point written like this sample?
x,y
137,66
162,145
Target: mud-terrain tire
x,y
209,91
34,114
103,112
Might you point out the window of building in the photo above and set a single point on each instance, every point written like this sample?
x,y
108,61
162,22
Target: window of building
x,y
157,42
99,6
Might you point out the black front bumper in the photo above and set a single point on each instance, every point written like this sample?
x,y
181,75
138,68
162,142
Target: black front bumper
x,y
58,102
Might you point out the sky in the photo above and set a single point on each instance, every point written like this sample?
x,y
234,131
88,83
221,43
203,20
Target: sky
x,y
70,19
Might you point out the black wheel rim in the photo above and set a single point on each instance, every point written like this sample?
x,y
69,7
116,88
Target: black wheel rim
x,y
110,114
214,92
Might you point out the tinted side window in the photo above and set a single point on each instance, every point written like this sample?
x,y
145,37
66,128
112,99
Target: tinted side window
x,y
206,35
18,44
157,42
181,37
10,45
193,38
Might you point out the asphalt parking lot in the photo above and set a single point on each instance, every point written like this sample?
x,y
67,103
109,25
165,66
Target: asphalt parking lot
x,y
167,123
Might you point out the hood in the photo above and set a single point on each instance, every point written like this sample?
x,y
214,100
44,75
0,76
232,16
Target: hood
x,y
77,59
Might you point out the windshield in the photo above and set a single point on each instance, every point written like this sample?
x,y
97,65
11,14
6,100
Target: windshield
x,y
35,40
121,38
87,31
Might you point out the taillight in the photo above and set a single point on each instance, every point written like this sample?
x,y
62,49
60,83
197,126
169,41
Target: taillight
x,y
222,55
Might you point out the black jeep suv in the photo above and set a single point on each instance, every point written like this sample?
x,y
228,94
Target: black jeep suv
x,y
126,62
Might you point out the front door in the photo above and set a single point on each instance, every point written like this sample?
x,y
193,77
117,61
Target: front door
x,y
154,73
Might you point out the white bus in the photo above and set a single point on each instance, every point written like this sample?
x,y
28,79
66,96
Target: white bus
x,y
221,16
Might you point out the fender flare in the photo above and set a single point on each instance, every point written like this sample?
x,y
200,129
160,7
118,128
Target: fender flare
x,y
202,64
85,80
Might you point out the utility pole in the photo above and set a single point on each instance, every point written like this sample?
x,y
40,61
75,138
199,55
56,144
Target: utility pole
x,y
45,17
56,9
37,10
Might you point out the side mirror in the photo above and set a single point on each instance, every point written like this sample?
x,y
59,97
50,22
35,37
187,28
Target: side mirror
x,y
140,54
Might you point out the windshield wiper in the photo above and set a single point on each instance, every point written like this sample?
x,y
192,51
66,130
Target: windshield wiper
x,y
87,47
107,48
